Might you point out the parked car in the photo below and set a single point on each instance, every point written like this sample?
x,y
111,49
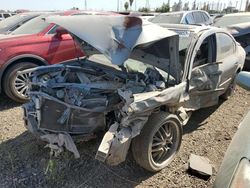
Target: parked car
x,y
216,17
33,44
194,17
4,15
238,24
141,89
235,167
10,24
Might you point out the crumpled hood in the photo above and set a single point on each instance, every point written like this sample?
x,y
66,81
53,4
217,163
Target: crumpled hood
x,y
113,36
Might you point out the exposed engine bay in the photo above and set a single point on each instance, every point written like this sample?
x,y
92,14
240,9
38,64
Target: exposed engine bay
x,y
90,97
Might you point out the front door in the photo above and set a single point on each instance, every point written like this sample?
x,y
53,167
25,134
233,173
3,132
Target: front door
x,y
205,76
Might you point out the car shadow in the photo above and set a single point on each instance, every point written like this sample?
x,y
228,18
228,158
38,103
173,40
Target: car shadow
x,y
6,103
199,118
24,162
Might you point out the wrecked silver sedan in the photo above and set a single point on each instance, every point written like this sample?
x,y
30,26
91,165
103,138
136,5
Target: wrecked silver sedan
x,y
139,83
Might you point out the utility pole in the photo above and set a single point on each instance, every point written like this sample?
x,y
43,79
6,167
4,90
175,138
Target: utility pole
x,y
118,5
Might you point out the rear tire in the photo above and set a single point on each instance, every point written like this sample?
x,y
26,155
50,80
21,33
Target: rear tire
x,y
158,142
15,86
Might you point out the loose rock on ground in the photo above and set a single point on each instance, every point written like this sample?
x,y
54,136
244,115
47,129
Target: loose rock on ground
x,y
24,158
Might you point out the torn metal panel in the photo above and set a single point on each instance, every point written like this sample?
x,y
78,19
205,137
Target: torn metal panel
x,y
58,141
117,36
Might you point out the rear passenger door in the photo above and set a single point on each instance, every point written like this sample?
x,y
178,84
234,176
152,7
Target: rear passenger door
x,y
226,49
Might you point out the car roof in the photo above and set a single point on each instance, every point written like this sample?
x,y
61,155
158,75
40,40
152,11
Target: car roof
x,y
182,12
193,28
237,14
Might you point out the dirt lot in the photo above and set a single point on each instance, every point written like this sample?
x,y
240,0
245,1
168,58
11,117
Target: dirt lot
x,y
24,158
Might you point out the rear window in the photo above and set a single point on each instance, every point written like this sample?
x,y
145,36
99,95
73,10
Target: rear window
x,y
167,18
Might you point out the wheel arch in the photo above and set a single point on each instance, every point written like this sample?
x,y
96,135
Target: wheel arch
x,y
18,59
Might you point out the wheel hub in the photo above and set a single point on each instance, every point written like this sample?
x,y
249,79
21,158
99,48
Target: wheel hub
x,y
21,84
162,143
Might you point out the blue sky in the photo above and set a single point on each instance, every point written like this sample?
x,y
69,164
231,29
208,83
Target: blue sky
x,y
92,4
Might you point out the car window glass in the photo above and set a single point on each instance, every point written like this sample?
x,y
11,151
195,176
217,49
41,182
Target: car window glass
x,y
53,30
225,46
1,16
189,19
205,17
34,26
198,17
13,28
6,15
206,52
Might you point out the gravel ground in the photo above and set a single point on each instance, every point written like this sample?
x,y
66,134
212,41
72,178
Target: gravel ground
x,y
24,158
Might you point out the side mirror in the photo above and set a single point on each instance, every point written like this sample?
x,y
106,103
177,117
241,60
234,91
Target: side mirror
x,y
243,80
61,31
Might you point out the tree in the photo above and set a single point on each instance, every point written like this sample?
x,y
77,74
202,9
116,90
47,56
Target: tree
x,y
194,5
186,7
131,3
163,8
144,9
126,6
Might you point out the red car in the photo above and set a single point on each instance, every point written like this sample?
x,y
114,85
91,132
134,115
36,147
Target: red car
x,y
33,44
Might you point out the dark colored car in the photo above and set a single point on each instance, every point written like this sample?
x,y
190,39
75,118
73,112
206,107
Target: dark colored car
x,y
33,44
238,24
11,23
235,169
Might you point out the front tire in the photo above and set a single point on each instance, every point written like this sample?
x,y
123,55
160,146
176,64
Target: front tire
x,y
158,142
16,86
